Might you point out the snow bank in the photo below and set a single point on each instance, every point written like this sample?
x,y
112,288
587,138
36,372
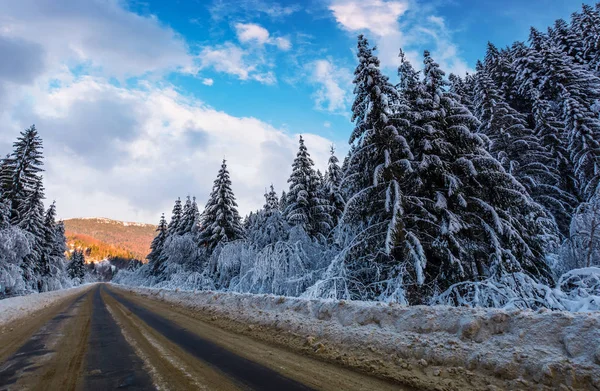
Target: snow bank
x,y
21,306
521,347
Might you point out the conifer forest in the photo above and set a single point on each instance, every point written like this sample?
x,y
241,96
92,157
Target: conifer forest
x,y
475,190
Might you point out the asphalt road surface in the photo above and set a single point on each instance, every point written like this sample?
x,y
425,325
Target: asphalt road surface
x,y
107,339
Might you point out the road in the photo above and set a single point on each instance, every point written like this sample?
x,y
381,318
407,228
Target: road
x,y
109,339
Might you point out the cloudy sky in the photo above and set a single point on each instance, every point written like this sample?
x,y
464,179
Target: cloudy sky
x,y
139,101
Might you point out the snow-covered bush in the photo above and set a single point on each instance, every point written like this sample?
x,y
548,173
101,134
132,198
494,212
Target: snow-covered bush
x,y
581,289
14,246
282,268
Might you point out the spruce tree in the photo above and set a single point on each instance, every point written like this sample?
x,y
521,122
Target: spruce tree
x,y
305,207
189,217
23,169
333,191
49,241
377,163
176,216
518,149
465,218
283,201
76,268
220,221
157,245
567,40
31,212
60,241
586,26
545,71
271,200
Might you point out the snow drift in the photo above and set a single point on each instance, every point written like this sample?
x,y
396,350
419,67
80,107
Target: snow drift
x,y
520,348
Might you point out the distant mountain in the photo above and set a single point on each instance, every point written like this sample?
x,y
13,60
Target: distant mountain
x,y
105,238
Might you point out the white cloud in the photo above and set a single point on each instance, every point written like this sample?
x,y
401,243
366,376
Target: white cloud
x,y
334,86
208,81
254,33
283,43
232,59
327,124
247,32
99,33
407,24
160,145
378,16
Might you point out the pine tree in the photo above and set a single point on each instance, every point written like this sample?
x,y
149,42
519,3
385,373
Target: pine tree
x,y
586,26
464,89
49,241
283,201
271,200
333,188
220,221
23,169
157,245
176,217
517,148
567,40
499,64
305,206
5,177
189,218
545,71
465,218
377,163
4,213
60,241
31,212
76,268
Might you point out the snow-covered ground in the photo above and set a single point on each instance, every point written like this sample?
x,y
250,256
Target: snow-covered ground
x,y
522,347
22,306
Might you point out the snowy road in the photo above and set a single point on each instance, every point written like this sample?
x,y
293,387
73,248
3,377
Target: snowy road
x,y
106,338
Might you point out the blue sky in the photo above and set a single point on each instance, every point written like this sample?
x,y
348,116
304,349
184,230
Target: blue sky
x,y
138,101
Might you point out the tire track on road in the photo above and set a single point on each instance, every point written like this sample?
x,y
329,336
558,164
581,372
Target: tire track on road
x,y
247,372
111,362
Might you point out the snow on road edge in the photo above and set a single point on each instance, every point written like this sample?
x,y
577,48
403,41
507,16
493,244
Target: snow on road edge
x,y
22,306
546,348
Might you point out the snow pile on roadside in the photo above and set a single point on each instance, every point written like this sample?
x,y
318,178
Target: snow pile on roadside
x,y
520,346
21,306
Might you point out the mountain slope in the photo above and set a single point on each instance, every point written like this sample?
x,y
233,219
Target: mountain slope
x,y
110,238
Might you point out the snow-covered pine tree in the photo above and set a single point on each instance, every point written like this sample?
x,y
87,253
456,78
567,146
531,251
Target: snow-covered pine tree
x,y
551,133
465,218
567,40
333,190
60,241
76,268
5,177
305,207
4,213
176,216
283,201
271,200
586,26
23,167
518,149
31,213
189,217
220,221
157,244
267,226
464,89
377,163
545,70
499,64
49,240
